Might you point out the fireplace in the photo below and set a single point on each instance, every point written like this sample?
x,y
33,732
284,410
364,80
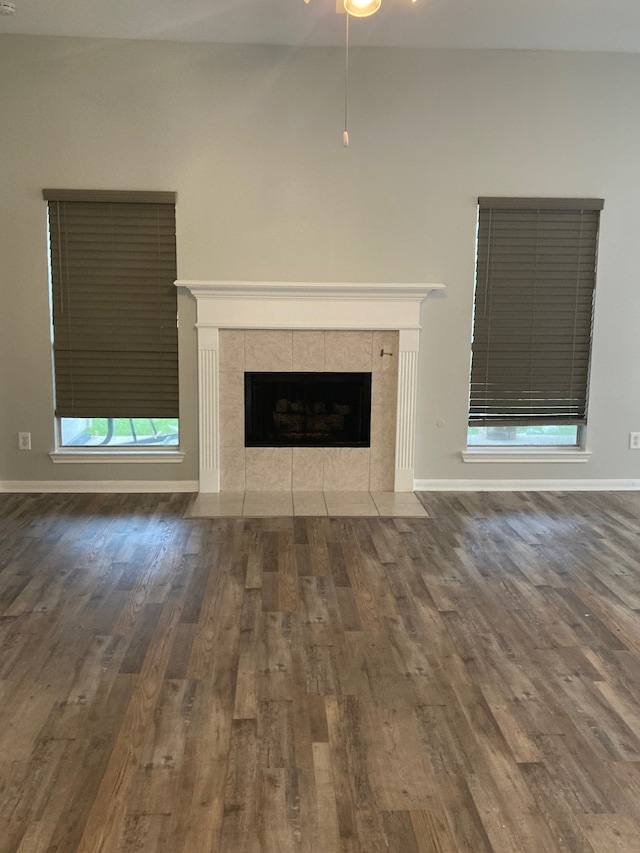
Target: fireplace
x,y
311,409
307,326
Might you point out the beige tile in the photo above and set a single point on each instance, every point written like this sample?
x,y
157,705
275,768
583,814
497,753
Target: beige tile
x,y
308,350
350,503
268,350
399,504
382,472
268,468
231,389
309,503
232,426
383,428
231,344
346,469
307,469
385,367
384,389
267,503
348,351
220,504
232,469
387,341
382,454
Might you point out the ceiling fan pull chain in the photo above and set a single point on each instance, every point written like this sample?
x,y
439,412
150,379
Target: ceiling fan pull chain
x,y
345,132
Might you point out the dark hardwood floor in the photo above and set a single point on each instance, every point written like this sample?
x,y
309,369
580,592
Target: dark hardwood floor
x,y
465,682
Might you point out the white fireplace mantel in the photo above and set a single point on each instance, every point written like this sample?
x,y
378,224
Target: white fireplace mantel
x,y
306,305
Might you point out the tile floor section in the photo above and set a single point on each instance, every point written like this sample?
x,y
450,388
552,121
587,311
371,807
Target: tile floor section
x,y
270,504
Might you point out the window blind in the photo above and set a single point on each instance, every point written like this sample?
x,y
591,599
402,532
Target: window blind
x,y
535,280
113,267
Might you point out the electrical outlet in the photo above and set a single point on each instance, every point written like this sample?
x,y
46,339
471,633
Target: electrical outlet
x,y
24,441
634,440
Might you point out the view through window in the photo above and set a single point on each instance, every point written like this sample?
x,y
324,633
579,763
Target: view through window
x,y
118,432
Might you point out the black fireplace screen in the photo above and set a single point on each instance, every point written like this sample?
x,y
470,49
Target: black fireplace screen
x,y
307,409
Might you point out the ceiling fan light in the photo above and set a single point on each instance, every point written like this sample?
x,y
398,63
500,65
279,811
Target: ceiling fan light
x,y
361,8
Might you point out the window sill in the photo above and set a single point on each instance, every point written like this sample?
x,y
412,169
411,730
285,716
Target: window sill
x,y
82,455
525,454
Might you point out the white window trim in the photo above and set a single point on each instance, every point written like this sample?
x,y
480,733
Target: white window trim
x,y
83,455
525,454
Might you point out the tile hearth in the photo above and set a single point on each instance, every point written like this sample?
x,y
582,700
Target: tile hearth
x,y
271,504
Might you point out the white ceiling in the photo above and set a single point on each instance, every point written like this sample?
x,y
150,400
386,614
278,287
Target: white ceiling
x,y
608,25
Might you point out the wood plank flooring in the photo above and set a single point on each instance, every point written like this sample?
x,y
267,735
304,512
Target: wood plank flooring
x,y
464,682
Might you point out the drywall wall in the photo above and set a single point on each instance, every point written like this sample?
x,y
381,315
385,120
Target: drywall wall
x,y
250,138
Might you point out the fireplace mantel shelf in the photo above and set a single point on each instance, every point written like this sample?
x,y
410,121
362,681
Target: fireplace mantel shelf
x,y
307,305
307,289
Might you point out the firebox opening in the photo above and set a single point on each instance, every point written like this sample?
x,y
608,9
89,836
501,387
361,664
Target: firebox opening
x,y
307,409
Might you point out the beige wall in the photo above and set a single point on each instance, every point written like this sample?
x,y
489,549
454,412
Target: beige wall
x,y
250,138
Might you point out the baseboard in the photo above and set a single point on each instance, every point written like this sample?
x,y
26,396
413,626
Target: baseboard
x,y
98,486
526,485
167,486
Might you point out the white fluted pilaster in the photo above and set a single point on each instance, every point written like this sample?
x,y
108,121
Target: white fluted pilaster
x,y
406,410
208,398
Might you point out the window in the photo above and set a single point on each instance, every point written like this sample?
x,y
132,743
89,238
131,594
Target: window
x,y
533,312
115,342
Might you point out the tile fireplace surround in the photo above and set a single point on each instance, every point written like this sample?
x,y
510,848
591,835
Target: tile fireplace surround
x,y
307,326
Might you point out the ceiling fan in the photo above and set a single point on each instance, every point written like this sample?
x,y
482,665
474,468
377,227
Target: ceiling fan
x,y
358,8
